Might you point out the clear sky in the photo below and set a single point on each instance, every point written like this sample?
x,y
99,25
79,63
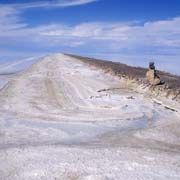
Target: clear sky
x,y
129,31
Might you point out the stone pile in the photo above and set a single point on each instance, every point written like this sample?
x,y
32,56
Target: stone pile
x,y
152,76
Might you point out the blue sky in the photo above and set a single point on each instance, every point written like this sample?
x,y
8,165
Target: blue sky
x,y
129,31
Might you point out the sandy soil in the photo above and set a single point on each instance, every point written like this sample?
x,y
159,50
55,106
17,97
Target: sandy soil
x,y
61,119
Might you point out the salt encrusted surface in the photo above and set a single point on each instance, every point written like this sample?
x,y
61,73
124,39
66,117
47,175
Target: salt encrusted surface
x,y
62,119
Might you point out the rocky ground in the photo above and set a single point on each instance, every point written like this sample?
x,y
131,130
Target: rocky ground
x,y
64,119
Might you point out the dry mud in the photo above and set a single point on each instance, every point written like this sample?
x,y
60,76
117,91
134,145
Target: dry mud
x,y
61,119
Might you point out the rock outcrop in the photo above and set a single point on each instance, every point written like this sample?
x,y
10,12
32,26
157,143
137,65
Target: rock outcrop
x,y
152,76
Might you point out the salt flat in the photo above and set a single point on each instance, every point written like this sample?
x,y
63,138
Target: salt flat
x,y
61,119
